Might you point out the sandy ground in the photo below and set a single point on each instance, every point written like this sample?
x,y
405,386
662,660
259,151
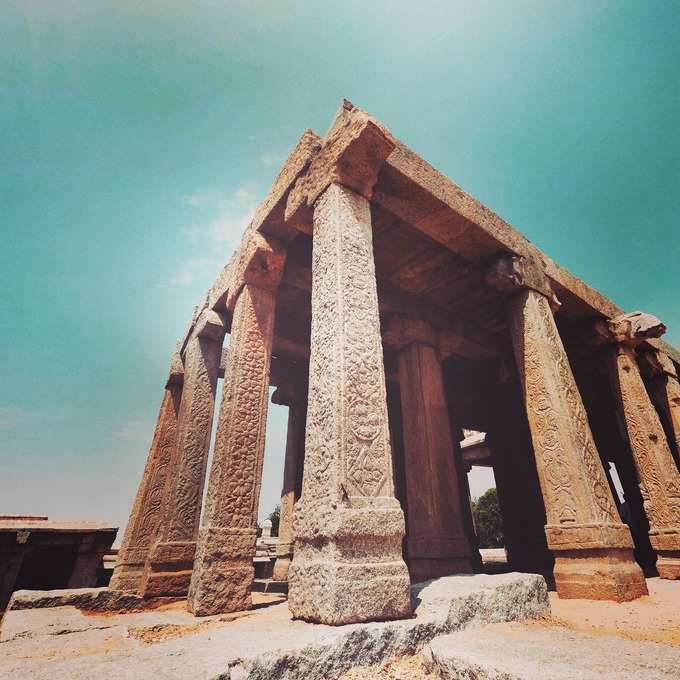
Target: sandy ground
x,y
655,618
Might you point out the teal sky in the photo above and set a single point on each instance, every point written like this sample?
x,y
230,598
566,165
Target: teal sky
x,y
136,139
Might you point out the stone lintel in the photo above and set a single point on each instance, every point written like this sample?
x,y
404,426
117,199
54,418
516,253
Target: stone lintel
x,y
588,536
219,291
352,155
269,216
260,263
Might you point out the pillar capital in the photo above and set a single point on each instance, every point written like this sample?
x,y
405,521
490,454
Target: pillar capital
x,y
631,329
176,373
656,364
210,325
510,273
402,331
260,263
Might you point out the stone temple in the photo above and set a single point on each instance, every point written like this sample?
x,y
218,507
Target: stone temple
x,y
391,310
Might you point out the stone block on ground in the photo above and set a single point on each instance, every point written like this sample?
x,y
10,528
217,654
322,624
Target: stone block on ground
x,y
516,651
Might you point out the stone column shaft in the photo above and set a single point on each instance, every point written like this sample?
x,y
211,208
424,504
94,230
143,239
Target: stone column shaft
x,y
170,562
592,547
436,543
223,571
145,517
664,387
295,451
658,476
347,565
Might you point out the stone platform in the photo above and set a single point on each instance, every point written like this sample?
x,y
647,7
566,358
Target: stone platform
x,y
60,643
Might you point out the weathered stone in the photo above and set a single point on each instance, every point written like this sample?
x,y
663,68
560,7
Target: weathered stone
x,y
262,644
347,564
85,599
145,518
658,475
592,547
436,544
170,561
295,397
223,571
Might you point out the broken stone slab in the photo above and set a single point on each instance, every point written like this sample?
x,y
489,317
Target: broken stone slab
x,y
85,599
262,643
441,605
514,651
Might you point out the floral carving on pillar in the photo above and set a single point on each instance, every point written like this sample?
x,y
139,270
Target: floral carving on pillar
x,y
658,475
592,547
347,564
145,517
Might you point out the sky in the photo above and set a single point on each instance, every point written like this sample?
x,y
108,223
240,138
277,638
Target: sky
x,y
136,140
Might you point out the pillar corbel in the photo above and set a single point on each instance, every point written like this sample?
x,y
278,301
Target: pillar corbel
x,y
436,542
145,517
593,549
168,567
223,570
658,476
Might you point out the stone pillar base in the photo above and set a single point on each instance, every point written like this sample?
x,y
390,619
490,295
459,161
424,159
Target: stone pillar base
x,y
168,573
352,571
127,579
223,571
284,556
667,546
599,574
425,568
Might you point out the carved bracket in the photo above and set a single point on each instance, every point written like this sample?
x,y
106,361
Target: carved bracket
x,y
511,272
352,154
176,374
210,325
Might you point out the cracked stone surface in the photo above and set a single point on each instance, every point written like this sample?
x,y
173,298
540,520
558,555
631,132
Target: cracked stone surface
x,y
262,643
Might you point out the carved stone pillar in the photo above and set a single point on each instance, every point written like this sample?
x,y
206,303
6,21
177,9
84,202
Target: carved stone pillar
x,y
145,517
347,565
223,571
170,562
519,492
436,544
658,476
592,547
664,389
296,400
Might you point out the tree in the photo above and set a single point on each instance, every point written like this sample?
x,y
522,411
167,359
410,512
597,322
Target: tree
x,y
275,518
488,520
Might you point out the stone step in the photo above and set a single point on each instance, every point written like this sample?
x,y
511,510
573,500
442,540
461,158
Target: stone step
x,y
539,651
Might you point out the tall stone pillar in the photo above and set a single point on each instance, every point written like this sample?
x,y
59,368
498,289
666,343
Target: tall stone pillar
x,y
347,565
519,492
170,562
296,399
658,476
664,389
436,543
145,517
593,549
223,571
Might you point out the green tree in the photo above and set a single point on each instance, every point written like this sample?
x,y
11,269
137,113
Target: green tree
x,y
275,518
488,520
